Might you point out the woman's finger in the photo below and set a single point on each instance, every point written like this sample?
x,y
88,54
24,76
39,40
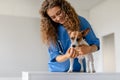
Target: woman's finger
x,y
73,54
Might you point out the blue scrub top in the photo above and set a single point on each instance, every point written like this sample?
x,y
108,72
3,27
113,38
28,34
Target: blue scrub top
x,y
64,39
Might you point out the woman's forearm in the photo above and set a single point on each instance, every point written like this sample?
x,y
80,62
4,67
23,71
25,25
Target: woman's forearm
x,y
61,58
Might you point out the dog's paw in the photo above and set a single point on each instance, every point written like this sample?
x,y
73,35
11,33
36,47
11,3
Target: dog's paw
x,y
88,71
93,71
82,71
69,71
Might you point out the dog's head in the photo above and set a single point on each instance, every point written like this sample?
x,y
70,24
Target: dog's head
x,y
76,37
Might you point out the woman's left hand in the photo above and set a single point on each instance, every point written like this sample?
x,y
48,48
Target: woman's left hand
x,y
83,49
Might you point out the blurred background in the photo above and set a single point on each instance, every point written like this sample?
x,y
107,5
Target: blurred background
x,y
21,48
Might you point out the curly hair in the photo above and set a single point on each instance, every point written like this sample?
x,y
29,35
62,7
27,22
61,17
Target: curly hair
x,y
49,27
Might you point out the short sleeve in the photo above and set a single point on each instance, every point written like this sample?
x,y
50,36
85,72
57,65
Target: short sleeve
x,y
90,37
53,52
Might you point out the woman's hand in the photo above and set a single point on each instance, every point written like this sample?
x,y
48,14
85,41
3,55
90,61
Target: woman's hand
x,y
72,53
83,49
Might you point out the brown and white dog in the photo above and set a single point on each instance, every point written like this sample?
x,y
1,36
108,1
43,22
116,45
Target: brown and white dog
x,y
77,40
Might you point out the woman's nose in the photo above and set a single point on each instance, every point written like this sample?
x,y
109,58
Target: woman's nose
x,y
57,18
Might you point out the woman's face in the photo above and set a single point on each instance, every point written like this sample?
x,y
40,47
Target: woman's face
x,y
57,15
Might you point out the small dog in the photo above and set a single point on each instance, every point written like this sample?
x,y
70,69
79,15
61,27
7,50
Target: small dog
x,y
77,40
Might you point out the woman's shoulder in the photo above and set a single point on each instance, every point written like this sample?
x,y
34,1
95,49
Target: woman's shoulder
x,y
81,18
83,22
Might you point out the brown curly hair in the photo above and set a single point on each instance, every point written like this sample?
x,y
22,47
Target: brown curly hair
x,y
49,27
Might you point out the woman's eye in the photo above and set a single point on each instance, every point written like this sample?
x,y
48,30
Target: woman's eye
x,y
59,12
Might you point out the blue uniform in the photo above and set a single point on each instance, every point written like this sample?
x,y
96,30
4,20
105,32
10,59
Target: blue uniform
x,y
64,43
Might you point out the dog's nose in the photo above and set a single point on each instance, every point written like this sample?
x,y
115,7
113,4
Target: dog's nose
x,y
73,45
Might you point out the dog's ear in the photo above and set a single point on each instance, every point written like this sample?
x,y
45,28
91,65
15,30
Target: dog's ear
x,y
69,32
85,32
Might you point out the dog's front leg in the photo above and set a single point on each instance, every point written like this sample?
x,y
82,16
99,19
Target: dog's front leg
x,y
81,63
71,65
93,68
87,65
92,65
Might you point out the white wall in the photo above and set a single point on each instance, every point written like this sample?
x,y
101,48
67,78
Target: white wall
x,y
28,8
105,19
78,9
108,51
21,48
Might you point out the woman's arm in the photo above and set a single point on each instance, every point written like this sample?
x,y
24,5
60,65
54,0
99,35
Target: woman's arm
x,y
85,49
71,53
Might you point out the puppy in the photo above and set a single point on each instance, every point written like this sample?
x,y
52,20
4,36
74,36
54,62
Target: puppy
x,y
77,40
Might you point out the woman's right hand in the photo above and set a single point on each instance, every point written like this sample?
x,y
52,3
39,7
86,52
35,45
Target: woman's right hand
x,y
72,53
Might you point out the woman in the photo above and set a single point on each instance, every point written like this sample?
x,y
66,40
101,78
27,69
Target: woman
x,y
57,18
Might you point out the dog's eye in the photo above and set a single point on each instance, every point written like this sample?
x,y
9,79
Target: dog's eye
x,y
78,39
72,38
